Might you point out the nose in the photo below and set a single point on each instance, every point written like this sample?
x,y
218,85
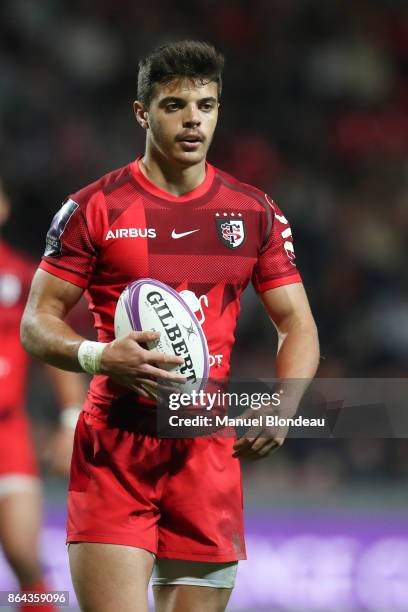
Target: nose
x,y
191,116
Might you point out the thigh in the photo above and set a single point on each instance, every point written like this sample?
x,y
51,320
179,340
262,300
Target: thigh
x,y
202,507
186,598
20,489
192,585
20,513
109,577
112,496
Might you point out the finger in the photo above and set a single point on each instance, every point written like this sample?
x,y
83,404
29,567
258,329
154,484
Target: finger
x,y
158,392
251,455
149,391
245,445
144,336
143,390
244,453
147,382
268,447
247,439
166,389
163,374
156,357
153,388
259,443
242,448
241,443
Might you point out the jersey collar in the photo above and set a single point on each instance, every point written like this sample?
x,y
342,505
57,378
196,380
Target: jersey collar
x,y
197,192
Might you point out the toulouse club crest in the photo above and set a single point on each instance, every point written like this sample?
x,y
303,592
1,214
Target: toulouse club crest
x,y
230,230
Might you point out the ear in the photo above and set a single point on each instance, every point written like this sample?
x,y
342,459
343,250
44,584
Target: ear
x,y
4,207
141,114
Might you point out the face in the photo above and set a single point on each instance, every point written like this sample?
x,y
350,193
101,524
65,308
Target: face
x,y
180,120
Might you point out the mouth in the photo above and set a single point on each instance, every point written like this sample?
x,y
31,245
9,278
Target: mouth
x,y
190,145
191,138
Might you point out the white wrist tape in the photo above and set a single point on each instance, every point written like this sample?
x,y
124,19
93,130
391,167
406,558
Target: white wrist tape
x,y
90,356
69,416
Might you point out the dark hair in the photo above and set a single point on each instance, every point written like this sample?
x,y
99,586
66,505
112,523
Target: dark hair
x,y
190,59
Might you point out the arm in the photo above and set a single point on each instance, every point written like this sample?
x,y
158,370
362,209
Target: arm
x,y
298,343
297,358
69,387
69,390
46,335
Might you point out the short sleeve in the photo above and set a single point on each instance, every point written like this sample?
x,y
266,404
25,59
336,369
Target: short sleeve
x,y
69,252
276,260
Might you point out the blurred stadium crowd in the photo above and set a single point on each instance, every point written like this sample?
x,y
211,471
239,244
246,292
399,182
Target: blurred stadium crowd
x,y
314,111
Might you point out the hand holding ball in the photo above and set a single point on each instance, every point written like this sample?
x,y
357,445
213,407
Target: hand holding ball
x,y
149,305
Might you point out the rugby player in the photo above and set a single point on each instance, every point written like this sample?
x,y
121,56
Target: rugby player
x,y
139,504
20,488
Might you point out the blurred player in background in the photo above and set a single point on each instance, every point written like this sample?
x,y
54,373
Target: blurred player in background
x,y
169,215
20,490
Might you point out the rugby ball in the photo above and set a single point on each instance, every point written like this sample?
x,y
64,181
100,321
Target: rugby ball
x,y
149,305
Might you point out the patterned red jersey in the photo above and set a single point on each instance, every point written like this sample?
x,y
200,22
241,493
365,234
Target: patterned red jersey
x,y
16,272
207,244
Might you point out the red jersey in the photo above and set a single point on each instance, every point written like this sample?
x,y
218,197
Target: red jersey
x,y
16,272
207,244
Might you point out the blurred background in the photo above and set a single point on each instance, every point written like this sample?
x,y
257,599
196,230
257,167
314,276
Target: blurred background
x,y
314,111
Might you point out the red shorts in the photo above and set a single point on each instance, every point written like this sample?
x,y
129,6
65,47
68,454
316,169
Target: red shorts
x,y
178,498
16,448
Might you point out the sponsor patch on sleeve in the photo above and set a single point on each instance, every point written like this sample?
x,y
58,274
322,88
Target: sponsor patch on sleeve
x,y
53,246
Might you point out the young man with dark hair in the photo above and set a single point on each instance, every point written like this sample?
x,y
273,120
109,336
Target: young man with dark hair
x,y
189,59
136,502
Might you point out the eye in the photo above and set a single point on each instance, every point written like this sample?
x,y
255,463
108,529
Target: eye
x,y
172,106
207,106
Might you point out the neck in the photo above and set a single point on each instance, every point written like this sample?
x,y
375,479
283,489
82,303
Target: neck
x,y
176,180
